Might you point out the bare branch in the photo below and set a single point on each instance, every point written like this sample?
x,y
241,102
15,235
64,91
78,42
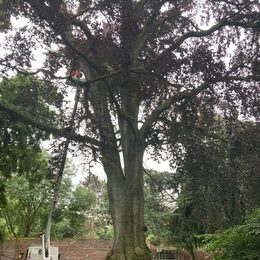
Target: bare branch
x,y
33,73
79,14
190,22
84,27
249,78
228,21
195,34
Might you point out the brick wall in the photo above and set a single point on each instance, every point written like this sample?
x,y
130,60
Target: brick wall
x,y
69,249
7,249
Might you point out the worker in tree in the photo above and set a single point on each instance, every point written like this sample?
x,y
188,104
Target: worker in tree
x,y
75,73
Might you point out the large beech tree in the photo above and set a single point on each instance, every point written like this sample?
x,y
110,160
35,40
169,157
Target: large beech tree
x,y
143,62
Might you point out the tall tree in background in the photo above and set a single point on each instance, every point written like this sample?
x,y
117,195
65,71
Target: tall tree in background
x,y
160,201
219,173
87,215
20,143
144,62
25,199
24,174
218,179
20,153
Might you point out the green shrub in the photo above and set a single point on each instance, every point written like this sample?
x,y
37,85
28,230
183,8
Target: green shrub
x,y
240,242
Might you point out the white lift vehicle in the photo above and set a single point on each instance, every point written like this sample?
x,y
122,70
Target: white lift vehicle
x,y
36,252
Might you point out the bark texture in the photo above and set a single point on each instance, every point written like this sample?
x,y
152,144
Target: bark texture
x,y
127,206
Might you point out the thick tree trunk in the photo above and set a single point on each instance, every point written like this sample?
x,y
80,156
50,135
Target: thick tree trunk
x,y
125,183
129,239
126,200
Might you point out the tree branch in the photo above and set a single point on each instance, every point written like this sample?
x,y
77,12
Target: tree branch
x,y
69,43
153,117
236,4
56,21
159,186
205,131
228,21
77,82
25,118
241,78
195,34
33,73
168,103
80,13
84,27
147,28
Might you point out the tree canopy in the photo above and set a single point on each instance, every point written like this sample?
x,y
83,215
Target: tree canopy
x,y
216,181
150,69
20,143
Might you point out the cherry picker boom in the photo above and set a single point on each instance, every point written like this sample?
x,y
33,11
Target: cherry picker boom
x,y
45,251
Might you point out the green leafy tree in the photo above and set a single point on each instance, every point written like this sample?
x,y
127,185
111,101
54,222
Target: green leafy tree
x,y
159,203
85,214
3,233
28,202
21,156
80,213
217,178
183,230
23,195
24,201
20,150
219,171
143,62
238,242
102,220
168,217
60,222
